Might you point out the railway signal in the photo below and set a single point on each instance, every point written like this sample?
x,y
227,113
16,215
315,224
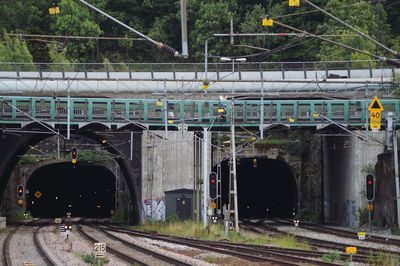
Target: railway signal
x,y
74,155
20,191
213,185
370,187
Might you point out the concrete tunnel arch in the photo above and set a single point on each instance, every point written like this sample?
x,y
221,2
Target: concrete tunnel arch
x,y
14,145
266,187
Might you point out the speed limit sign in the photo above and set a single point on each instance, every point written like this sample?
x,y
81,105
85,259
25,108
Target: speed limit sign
x,y
99,250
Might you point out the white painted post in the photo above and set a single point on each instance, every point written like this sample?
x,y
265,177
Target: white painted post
x,y
396,172
131,146
233,150
68,109
205,177
262,111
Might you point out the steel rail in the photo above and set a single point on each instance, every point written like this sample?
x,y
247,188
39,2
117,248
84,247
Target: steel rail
x,y
144,250
45,256
113,251
247,252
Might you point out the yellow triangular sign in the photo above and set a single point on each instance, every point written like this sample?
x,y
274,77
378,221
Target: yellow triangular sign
x,y
375,105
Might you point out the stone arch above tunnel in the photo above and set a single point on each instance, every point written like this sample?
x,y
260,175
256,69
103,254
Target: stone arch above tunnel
x,y
14,145
302,153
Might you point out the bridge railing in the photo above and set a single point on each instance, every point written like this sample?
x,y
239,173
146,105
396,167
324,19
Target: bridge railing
x,y
333,69
194,113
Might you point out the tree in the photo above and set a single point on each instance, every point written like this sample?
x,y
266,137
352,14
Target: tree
x,y
77,20
210,18
14,50
59,57
361,15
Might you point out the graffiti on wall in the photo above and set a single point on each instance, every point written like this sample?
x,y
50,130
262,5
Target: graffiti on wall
x,y
153,210
350,212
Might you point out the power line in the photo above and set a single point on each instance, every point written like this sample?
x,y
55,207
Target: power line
x,y
316,11
389,61
23,35
159,45
352,28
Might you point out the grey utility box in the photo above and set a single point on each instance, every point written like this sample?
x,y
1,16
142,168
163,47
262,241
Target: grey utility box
x,y
179,203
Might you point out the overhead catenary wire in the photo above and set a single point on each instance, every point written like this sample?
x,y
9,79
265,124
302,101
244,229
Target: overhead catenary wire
x,y
316,11
389,61
353,28
24,35
159,45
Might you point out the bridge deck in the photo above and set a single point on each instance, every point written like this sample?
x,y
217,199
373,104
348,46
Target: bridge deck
x,y
120,112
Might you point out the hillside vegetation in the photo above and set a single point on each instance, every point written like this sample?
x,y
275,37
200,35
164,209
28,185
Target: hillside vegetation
x,y
160,20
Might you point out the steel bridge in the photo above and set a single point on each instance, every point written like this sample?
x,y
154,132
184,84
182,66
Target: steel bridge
x,y
16,111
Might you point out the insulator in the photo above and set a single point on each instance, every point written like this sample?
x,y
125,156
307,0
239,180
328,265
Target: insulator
x,y
170,49
394,63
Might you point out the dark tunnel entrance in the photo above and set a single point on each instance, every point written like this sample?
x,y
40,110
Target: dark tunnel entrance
x,y
266,188
85,190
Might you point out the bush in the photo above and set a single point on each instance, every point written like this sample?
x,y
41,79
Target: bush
x,y
90,258
331,257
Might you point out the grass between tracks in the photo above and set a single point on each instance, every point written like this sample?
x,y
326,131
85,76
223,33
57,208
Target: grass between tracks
x,y
216,232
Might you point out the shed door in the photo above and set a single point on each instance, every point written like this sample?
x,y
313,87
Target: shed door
x,y
184,208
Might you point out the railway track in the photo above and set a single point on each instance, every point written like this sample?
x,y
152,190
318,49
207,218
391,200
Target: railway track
x,y
141,256
248,252
343,233
364,254
24,252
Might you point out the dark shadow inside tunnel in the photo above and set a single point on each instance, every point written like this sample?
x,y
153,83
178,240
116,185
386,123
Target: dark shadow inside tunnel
x,y
266,188
85,190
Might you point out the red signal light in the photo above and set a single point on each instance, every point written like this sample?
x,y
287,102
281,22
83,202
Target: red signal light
x,y
213,185
370,187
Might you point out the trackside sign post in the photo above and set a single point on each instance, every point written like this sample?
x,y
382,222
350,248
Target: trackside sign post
x,y
375,108
99,250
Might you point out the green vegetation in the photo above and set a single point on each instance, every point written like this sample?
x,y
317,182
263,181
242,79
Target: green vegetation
x,y
331,257
84,156
216,232
396,232
289,241
19,216
94,156
383,259
90,258
368,169
159,19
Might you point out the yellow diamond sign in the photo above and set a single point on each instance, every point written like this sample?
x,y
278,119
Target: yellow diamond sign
x,y
38,194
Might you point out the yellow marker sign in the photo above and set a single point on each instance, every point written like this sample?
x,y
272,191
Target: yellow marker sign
x,y
213,205
375,109
294,2
361,235
38,194
370,207
20,202
267,22
54,10
351,250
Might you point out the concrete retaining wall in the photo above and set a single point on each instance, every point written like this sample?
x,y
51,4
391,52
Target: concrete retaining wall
x,y
167,165
346,161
